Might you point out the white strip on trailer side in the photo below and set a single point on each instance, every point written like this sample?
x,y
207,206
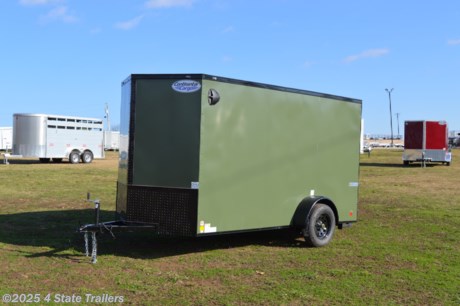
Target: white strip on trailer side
x,y
57,137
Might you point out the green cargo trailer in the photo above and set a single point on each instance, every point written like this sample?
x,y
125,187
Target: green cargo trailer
x,y
205,155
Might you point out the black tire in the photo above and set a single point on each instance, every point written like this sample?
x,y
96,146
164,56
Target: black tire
x,y
44,160
406,163
87,157
321,226
74,157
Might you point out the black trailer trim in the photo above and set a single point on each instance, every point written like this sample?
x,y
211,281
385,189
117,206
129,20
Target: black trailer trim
x,y
239,82
280,88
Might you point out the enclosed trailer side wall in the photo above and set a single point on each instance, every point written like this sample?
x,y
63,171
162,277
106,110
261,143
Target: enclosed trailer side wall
x,y
263,150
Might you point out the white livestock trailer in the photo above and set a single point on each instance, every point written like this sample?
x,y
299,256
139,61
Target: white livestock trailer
x,y
52,137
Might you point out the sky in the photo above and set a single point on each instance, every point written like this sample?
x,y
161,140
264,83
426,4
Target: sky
x,y
69,57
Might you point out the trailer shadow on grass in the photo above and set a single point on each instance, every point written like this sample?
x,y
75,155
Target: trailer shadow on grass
x,y
146,246
384,165
56,230
51,229
20,161
393,165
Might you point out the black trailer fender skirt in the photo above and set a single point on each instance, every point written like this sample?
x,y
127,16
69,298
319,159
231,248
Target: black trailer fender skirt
x,y
302,214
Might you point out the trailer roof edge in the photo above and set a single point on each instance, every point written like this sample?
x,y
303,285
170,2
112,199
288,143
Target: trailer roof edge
x,y
57,116
240,82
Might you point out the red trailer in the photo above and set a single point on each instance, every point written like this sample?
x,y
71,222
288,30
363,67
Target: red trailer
x,y
426,141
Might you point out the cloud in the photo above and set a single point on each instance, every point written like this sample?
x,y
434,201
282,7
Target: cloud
x,y
168,3
228,29
227,58
95,31
367,54
130,24
453,42
60,13
37,2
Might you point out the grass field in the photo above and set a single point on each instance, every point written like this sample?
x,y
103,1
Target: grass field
x,y
405,249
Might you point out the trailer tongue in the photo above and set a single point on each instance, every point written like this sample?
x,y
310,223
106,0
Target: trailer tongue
x,y
109,227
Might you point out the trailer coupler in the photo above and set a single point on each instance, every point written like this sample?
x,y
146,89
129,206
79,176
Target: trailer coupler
x,y
110,226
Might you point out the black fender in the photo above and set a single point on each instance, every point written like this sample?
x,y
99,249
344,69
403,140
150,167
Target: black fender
x,y
302,213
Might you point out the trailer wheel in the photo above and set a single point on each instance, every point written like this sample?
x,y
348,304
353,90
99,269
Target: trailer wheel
x,y
87,157
74,157
320,227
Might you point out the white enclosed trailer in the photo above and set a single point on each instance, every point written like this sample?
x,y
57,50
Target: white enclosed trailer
x,y
111,140
57,137
6,138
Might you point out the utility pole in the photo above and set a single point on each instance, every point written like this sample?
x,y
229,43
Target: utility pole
x,y
397,119
391,115
107,116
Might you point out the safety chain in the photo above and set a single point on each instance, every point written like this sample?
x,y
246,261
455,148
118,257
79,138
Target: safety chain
x,y
93,246
86,244
94,251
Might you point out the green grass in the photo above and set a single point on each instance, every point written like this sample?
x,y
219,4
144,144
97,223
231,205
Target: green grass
x,y
404,250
